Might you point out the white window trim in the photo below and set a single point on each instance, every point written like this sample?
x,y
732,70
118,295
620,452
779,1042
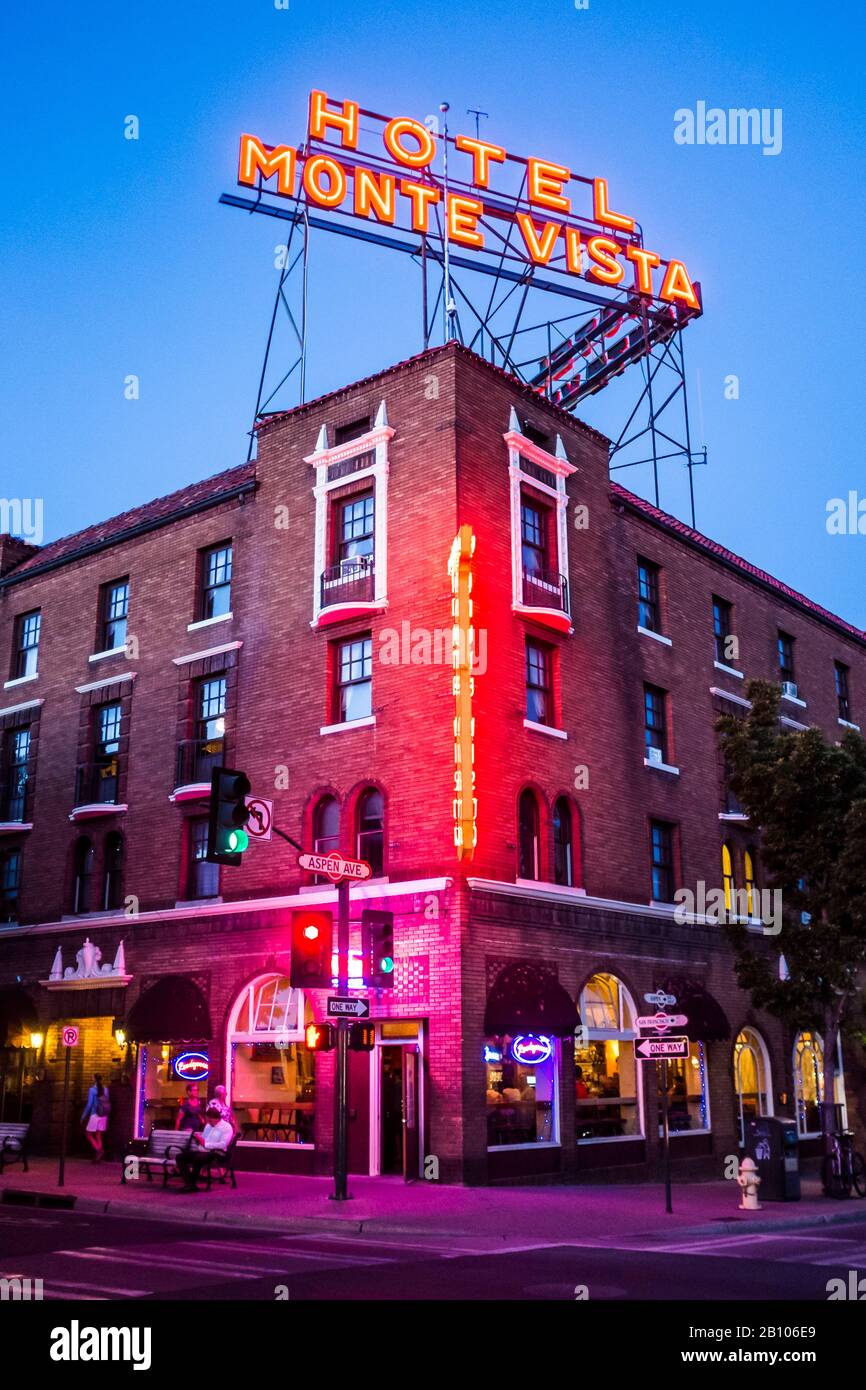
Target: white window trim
x,y
737,817
729,670
846,724
728,695
656,636
377,440
520,447
207,622
200,656
109,680
17,709
548,729
794,700
662,767
20,680
109,651
348,724
708,1127
792,723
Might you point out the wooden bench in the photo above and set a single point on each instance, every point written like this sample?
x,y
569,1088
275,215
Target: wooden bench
x,y
161,1153
13,1144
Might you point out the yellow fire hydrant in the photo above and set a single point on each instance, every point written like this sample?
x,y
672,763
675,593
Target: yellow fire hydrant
x,y
749,1179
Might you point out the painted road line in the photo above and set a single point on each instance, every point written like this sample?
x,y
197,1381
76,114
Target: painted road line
x,y
181,1266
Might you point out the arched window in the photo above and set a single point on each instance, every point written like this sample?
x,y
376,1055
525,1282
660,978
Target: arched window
x,y
605,1074
752,1082
749,875
809,1082
728,878
371,830
82,861
112,890
271,1076
565,868
326,825
527,833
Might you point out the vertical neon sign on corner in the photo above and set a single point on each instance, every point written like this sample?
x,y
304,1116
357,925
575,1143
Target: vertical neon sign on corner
x,y
463,686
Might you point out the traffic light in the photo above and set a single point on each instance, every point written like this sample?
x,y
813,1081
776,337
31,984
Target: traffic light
x,y
377,948
362,1037
226,837
319,1037
312,944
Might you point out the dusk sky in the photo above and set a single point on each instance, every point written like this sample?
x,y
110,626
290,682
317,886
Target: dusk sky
x,y
118,259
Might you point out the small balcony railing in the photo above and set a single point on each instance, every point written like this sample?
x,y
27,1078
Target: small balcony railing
x,y
348,581
196,760
97,783
545,589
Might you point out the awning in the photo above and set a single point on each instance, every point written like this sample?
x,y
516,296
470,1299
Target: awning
x,y
524,999
174,1010
708,1021
17,1014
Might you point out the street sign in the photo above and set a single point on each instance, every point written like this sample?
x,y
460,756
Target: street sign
x,y
335,867
659,1049
261,821
341,1006
661,1022
661,1000
70,1036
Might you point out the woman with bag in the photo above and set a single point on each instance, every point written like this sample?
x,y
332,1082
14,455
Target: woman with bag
x,y
95,1116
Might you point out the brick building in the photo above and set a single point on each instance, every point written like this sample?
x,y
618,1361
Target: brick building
x,y
293,617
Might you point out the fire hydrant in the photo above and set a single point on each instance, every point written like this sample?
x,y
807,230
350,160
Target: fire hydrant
x,y
749,1179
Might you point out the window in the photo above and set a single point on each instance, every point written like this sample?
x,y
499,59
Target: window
x,y
355,530
648,601
749,875
108,719
655,723
533,537
751,1079
82,870
722,630
354,679
202,877
687,1090
527,836
371,830
10,884
112,887
26,656
210,726
521,1090
786,656
536,436
354,430
17,756
326,829
216,581
662,861
809,1083
728,878
564,869
843,697
605,1072
271,1079
539,701
113,616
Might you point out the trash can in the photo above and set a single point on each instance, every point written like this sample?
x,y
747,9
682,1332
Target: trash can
x,y
772,1142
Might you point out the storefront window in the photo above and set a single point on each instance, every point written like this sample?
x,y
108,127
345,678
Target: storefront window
x,y
688,1093
809,1083
521,1090
605,1072
165,1071
751,1079
271,1078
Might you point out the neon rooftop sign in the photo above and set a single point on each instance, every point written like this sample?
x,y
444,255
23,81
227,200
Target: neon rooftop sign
x,y
526,209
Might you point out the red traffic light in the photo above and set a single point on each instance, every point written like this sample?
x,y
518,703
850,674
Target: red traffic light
x,y
312,944
319,1037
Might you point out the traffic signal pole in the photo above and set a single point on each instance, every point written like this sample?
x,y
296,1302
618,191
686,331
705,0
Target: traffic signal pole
x,y
341,1087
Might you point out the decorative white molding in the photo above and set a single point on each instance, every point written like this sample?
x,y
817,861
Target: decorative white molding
x,y
209,622
656,636
729,670
211,651
20,680
190,791
89,810
734,816
375,441
544,729
111,651
12,827
794,700
528,449
662,767
381,419
17,709
348,724
88,973
108,680
846,724
792,723
727,695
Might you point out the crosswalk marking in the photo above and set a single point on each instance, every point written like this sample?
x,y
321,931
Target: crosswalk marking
x,y
156,1262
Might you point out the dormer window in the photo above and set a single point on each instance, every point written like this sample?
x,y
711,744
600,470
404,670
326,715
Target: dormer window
x,y
538,469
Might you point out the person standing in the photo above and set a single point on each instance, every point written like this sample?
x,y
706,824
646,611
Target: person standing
x,y
219,1101
189,1114
95,1117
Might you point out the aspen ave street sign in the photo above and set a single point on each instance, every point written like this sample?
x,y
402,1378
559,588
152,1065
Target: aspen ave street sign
x,y
341,1006
659,1049
661,1000
661,1022
335,866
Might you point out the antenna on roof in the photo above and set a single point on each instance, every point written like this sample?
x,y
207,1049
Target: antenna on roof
x,y
473,111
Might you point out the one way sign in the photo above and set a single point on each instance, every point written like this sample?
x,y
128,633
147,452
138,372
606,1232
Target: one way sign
x,y
342,1006
657,1049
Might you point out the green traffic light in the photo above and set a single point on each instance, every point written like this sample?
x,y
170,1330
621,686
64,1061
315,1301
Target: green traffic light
x,y
386,965
238,841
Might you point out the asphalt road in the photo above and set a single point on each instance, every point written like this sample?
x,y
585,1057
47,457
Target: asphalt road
x,y
89,1257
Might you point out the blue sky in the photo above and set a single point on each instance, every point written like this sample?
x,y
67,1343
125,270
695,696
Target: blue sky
x,y
118,260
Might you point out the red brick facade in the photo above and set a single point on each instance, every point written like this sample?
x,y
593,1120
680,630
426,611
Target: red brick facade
x,y
435,446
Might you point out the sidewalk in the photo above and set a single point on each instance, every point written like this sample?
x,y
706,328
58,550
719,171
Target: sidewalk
x,y
388,1205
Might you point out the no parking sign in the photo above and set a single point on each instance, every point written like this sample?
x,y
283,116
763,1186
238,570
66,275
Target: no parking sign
x,y
70,1036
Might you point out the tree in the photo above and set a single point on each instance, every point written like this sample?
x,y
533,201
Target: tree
x,y
807,799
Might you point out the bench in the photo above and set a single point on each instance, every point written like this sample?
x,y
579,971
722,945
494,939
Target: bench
x,y
13,1144
219,1164
161,1153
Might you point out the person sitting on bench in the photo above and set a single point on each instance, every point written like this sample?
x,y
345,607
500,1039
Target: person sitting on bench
x,y
217,1134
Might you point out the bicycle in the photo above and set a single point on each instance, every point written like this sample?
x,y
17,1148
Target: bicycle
x,y
843,1169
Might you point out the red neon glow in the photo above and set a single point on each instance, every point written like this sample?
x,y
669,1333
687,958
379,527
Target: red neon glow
x,y
333,195
602,251
345,120
602,210
256,158
463,214
394,134
376,195
677,285
482,152
544,182
421,196
541,247
644,262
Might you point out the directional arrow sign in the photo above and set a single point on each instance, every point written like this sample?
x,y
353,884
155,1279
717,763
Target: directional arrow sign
x,y
650,1049
335,866
340,1006
661,1022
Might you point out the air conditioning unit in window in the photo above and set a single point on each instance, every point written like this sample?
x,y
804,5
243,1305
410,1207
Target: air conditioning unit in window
x,y
789,688
654,755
